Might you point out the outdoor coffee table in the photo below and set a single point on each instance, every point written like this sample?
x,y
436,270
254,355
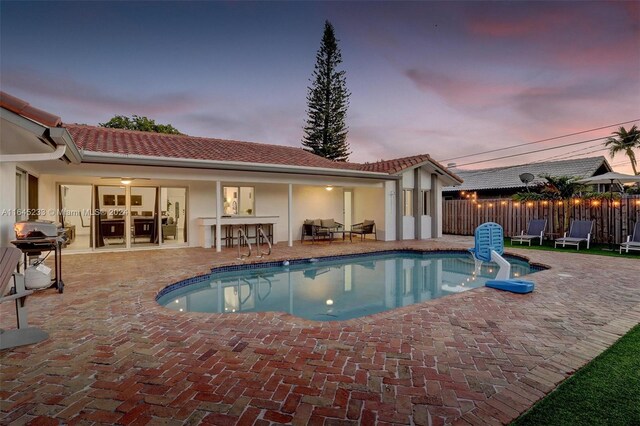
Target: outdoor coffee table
x,y
344,234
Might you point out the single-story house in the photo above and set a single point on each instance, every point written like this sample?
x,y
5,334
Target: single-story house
x,y
117,189
503,182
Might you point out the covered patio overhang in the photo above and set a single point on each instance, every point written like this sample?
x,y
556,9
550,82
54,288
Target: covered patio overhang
x,y
285,195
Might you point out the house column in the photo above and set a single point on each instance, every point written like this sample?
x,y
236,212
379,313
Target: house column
x,y
417,206
289,219
436,207
399,211
218,216
8,197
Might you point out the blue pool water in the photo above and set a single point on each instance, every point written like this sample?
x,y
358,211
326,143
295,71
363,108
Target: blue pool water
x,y
336,288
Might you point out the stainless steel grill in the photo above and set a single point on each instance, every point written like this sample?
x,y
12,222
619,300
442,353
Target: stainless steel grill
x,y
37,236
37,229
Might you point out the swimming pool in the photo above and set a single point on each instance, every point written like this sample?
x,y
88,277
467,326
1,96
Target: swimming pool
x,y
334,288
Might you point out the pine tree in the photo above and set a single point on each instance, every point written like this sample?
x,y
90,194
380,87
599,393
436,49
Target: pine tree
x,y
325,132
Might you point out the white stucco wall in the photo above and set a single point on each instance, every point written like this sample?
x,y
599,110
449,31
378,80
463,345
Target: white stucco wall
x,y
408,227
369,203
315,203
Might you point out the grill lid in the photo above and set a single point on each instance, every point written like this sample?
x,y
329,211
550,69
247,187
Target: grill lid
x,y
36,229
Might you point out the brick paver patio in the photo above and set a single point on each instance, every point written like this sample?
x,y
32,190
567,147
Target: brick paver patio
x,y
480,357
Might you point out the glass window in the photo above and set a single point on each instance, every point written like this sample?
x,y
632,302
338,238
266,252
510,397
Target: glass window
x,y
426,203
238,200
408,202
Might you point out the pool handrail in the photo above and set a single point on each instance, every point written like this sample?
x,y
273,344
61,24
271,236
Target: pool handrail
x,y
242,236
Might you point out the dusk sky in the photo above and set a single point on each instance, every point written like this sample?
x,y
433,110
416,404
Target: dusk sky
x,y
444,78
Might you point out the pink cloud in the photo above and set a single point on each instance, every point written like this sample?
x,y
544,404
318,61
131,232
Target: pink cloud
x,y
598,35
509,26
460,91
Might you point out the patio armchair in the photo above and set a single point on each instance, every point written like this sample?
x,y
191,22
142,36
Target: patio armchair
x,y
633,241
315,230
23,335
331,225
364,228
534,230
579,231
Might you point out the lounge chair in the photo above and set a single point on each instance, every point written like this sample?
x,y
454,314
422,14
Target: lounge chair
x,y
633,241
579,231
534,230
23,335
364,228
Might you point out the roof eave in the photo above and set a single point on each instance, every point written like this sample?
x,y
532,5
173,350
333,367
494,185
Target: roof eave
x,y
61,136
144,160
53,136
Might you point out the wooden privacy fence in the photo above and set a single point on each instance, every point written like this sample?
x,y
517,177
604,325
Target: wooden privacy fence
x,y
461,217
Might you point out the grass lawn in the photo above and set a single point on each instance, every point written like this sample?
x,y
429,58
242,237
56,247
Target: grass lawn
x,y
593,248
604,392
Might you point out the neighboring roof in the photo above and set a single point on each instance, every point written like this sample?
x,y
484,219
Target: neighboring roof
x,y
509,177
159,145
23,108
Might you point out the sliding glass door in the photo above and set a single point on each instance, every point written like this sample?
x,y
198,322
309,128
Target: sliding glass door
x,y
143,212
173,206
76,217
113,217
110,217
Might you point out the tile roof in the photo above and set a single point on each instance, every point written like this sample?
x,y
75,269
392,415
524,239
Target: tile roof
x,y
119,141
23,108
509,177
398,165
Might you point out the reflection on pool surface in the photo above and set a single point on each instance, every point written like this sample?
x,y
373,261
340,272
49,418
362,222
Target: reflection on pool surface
x,y
336,288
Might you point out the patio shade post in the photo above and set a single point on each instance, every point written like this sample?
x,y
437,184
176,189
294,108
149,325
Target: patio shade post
x,y
610,178
399,211
218,216
289,219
